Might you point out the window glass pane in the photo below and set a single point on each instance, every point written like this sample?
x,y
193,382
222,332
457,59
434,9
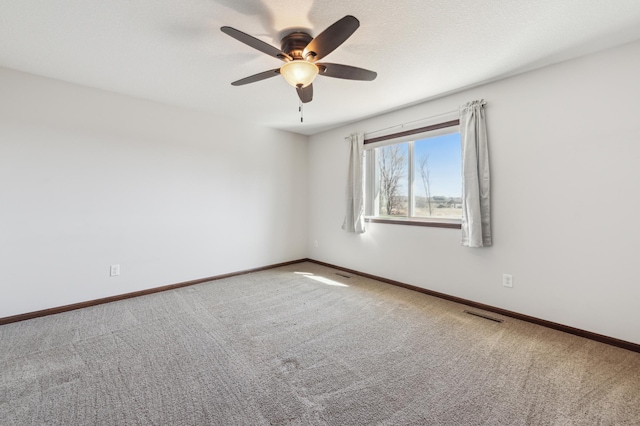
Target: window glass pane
x,y
437,182
392,171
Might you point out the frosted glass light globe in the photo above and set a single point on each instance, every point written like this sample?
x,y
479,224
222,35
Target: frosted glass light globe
x,y
299,72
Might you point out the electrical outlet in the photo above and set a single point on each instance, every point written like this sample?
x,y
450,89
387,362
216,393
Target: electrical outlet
x,y
114,270
315,243
507,280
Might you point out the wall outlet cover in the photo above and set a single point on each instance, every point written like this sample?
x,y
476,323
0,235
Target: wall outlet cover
x,y
507,280
114,270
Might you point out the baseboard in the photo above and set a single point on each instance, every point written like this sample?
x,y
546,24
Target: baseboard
x,y
80,305
556,326
549,324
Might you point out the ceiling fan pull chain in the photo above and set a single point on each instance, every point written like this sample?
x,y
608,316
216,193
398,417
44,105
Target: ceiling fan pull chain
x,y
300,105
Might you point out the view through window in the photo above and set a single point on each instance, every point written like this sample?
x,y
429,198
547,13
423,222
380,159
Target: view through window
x,y
419,179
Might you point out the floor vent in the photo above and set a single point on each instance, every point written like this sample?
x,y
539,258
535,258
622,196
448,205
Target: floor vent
x,y
343,275
483,316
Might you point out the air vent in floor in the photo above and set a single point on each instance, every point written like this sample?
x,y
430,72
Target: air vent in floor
x,y
477,314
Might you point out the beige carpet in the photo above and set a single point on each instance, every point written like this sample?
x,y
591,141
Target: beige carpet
x,y
283,347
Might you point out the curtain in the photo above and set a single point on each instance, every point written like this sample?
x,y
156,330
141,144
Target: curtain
x,y
354,217
476,208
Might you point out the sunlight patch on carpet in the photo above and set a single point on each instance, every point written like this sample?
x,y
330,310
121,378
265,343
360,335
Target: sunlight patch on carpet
x,y
323,280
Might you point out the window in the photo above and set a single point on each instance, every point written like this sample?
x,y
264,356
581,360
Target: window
x,y
415,177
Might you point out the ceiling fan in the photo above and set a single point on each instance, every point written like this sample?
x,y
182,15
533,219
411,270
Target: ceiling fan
x,y
299,52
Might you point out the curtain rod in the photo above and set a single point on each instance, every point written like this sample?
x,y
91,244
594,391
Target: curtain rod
x,y
406,124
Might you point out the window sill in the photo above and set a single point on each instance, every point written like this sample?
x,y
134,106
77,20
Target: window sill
x,y
450,223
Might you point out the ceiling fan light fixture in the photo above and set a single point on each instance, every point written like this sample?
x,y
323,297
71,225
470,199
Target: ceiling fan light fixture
x,y
299,72
299,52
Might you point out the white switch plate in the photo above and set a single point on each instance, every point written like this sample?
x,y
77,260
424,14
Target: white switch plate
x,y
114,270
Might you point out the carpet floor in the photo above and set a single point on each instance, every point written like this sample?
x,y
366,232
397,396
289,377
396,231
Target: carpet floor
x,y
301,345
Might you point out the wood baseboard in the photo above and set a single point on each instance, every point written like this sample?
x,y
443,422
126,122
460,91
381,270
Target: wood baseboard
x,y
556,326
80,305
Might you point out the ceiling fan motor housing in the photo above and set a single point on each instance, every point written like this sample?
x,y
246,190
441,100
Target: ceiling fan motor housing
x,y
293,44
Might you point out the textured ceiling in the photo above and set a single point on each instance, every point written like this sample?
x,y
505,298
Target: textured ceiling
x,y
172,51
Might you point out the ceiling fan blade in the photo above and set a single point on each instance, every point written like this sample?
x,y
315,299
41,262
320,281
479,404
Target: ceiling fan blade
x,y
305,93
346,71
257,77
329,39
256,44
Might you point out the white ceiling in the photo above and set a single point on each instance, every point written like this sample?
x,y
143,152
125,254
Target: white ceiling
x,y
172,51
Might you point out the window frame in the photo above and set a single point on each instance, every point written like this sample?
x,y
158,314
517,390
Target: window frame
x,y
370,189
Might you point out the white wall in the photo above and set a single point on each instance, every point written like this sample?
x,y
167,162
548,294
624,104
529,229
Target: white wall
x,y
565,147
90,178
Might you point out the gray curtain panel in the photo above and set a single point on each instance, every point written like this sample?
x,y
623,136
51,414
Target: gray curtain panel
x,y
354,217
476,205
